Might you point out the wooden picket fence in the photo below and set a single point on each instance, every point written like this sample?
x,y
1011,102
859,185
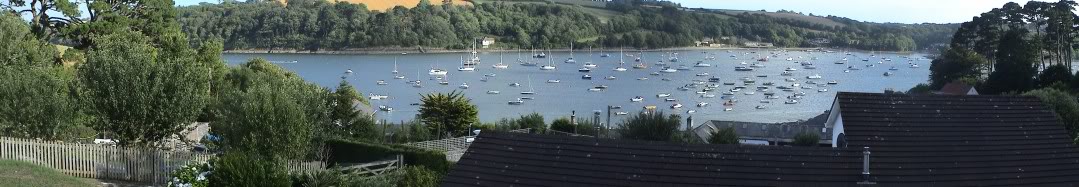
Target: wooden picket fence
x,y
142,165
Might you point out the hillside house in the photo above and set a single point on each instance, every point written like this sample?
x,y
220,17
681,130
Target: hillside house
x,y
957,88
487,42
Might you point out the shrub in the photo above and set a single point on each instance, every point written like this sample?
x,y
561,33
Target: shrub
x,y
191,175
563,124
807,139
724,136
533,121
343,151
1063,104
245,169
652,126
419,176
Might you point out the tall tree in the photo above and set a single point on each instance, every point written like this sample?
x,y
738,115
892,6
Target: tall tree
x,y
955,64
448,113
20,47
142,94
1015,64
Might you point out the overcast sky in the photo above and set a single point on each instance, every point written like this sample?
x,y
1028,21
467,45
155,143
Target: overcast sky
x,y
897,11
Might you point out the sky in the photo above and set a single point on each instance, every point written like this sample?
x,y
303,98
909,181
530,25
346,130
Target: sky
x,y
895,11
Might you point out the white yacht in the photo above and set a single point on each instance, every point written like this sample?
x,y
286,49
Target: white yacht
x,y
815,76
637,99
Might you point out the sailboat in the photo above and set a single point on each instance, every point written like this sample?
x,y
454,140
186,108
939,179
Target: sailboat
x,y
549,66
531,91
473,59
571,60
621,61
394,65
500,65
466,65
589,64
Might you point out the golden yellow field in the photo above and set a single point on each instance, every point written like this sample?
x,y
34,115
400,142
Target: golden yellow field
x,y
382,5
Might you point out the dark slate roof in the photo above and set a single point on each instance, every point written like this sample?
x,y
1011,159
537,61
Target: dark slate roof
x,y
512,159
915,141
960,140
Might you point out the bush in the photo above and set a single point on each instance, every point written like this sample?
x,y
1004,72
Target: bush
x,y
1063,104
35,103
244,169
533,121
419,177
563,124
807,139
724,136
191,175
652,126
343,151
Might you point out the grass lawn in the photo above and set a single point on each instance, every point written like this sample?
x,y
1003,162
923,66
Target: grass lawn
x,y
18,173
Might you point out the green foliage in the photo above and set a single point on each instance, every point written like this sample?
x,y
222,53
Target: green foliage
x,y
652,126
1064,105
533,121
187,176
248,169
1053,74
807,139
412,131
1014,70
955,64
920,89
344,151
141,93
269,112
724,136
448,113
319,25
419,176
20,47
35,102
347,121
563,124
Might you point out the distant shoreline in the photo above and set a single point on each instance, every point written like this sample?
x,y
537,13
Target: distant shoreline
x,y
384,51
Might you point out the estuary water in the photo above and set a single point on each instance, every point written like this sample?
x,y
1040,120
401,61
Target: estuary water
x,y
859,72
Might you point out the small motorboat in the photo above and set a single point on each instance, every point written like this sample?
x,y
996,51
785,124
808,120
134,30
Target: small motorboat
x,y
702,104
790,69
637,99
916,66
654,73
642,78
589,65
554,81
728,109
668,70
463,86
741,68
610,77
494,92
702,64
586,77
621,113
348,71
399,77
466,68
662,95
584,70
381,82
516,102
889,73
676,106
594,89
759,107
815,76
385,108
515,84
833,82
670,100
702,74
792,101
620,69
822,90
786,73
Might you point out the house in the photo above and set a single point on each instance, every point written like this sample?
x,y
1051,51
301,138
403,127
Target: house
x,y
487,42
957,88
767,133
885,140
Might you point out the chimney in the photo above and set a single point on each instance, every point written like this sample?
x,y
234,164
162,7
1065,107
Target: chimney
x,y
865,167
689,123
573,117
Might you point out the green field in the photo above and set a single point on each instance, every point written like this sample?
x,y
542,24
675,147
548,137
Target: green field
x,y
18,174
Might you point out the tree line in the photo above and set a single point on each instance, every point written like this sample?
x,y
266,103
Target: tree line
x,y
323,25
